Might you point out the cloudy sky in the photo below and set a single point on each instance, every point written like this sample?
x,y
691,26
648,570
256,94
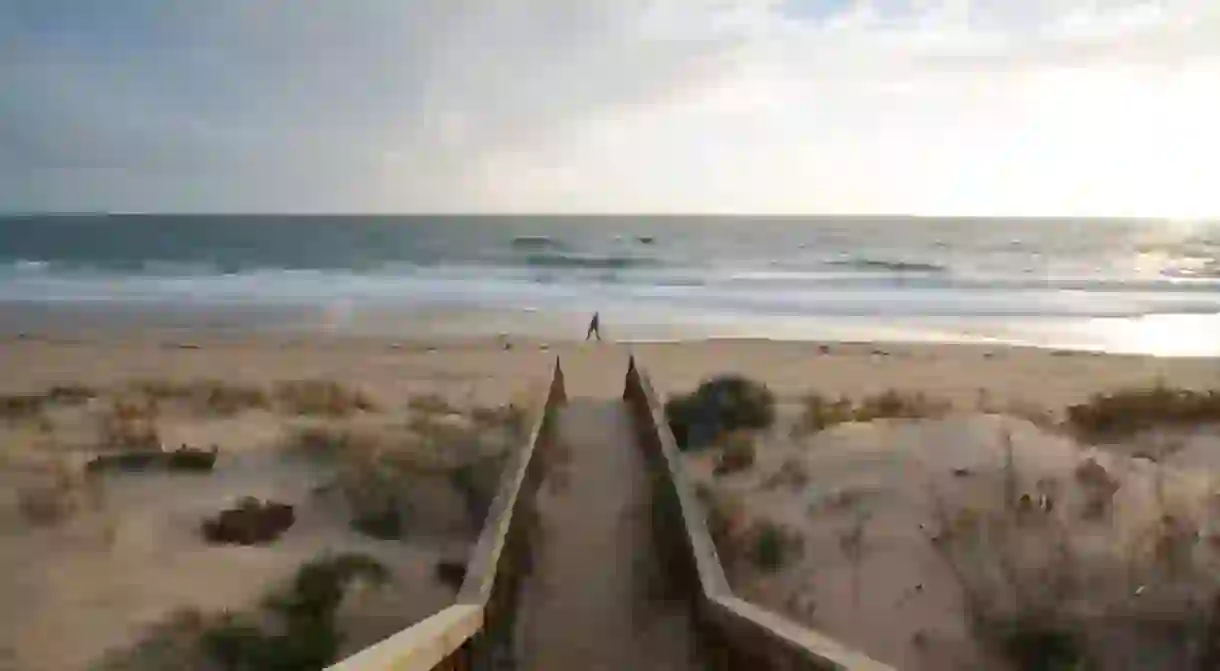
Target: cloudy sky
x,y
1098,107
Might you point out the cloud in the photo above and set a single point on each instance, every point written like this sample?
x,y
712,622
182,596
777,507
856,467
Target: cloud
x,y
954,106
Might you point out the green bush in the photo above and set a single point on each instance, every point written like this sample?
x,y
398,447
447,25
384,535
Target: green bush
x,y
303,635
383,524
769,548
1036,644
718,406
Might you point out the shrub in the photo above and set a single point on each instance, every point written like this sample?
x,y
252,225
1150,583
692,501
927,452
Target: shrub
x,y
385,523
1132,410
29,406
21,406
432,404
718,406
326,443
71,394
130,426
250,522
322,397
792,473
773,546
898,405
478,482
821,413
1033,643
228,399
205,396
737,454
304,635
375,496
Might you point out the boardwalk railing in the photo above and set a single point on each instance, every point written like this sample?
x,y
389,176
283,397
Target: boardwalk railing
x,y
734,634
476,632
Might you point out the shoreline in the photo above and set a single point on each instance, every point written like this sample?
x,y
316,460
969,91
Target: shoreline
x,y
1162,336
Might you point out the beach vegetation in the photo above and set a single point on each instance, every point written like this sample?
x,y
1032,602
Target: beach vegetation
x,y
298,630
328,443
71,393
737,453
431,404
819,412
1128,411
719,406
325,398
792,473
772,546
205,396
23,406
15,407
129,425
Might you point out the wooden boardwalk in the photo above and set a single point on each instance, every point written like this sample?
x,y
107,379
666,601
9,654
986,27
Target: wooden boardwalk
x,y
594,599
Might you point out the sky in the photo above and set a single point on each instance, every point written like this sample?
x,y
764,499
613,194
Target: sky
x,y
950,107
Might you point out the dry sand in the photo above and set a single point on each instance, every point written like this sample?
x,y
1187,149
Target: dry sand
x,y
130,552
74,591
900,522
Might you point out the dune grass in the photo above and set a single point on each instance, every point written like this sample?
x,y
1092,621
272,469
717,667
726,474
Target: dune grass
x,y
431,404
1128,411
127,425
33,405
1042,597
325,398
204,397
297,627
819,412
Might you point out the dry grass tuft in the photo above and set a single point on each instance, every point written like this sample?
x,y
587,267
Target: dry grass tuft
x,y
761,543
511,416
819,412
71,394
792,474
329,443
128,425
204,397
1125,412
432,404
16,407
322,397
1045,596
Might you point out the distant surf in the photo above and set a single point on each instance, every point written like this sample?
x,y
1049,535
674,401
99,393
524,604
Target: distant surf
x,y
728,270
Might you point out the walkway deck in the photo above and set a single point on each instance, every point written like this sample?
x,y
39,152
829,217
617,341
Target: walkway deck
x,y
593,600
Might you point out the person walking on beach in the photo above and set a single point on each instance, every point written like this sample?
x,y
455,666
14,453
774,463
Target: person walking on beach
x,y
594,328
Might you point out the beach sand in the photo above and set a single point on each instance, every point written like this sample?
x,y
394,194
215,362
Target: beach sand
x,y
122,552
93,584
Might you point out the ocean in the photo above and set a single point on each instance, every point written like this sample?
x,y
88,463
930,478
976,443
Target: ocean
x,y
1116,285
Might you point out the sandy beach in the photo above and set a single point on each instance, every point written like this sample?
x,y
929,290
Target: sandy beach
x,y
96,582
